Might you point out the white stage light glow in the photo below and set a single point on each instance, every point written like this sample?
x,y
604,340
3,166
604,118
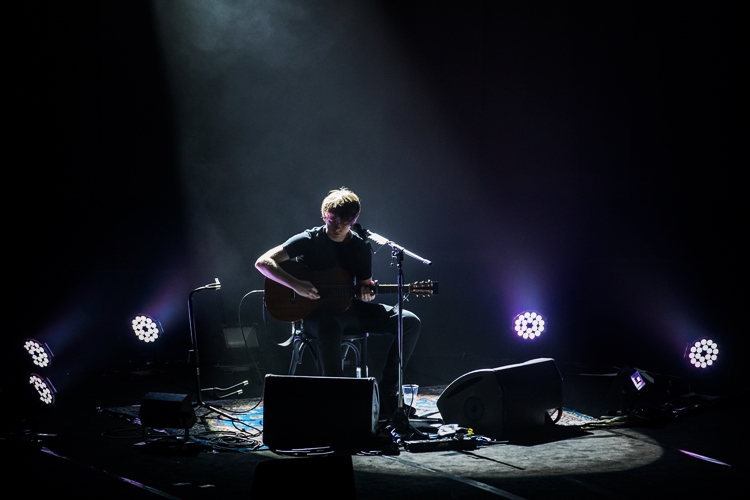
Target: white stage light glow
x,y
147,328
41,354
44,388
703,353
528,324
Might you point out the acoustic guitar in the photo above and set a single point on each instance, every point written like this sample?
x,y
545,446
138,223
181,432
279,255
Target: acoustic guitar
x,y
335,287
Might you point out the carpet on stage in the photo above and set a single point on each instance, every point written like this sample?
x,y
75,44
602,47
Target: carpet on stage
x,y
247,416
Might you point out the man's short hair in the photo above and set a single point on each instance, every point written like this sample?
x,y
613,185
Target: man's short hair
x,y
342,203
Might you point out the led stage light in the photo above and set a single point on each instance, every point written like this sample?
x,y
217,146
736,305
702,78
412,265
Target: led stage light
x,y
528,324
703,353
41,354
44,387
147,328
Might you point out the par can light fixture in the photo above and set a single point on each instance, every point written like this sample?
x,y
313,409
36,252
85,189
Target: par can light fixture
x,y
528,324
703,353
147,328
44,388
41,354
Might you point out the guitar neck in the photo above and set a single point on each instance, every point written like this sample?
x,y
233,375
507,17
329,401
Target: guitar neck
x,y
378,288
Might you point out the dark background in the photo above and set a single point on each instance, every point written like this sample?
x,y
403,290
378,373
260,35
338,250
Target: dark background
x,y
581,162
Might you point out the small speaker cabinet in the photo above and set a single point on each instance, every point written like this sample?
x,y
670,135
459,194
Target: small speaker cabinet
x,y
320,412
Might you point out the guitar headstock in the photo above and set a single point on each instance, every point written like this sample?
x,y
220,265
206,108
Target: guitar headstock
x,y
424,288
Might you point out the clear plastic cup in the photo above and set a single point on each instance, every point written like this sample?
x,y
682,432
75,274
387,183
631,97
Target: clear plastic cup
x,y
410,393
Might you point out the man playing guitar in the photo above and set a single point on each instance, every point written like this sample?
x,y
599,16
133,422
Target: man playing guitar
x,y
335,246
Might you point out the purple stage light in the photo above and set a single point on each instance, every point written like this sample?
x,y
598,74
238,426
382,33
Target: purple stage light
x,y
41,354
528,324
703,353
147,328
44,388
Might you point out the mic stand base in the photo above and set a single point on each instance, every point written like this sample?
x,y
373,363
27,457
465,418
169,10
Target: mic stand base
x,y
402,430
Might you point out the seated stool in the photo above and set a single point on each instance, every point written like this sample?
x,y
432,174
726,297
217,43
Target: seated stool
x,y
354,342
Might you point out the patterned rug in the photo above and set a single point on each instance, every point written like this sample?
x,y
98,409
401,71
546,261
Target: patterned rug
x,y
239,422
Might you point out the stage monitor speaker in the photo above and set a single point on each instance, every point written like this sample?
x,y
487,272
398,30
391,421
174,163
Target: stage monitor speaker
x,y
317,412
163,410
503,401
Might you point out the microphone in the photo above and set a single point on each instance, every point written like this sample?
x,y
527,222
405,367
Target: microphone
x,y
366,234
212,286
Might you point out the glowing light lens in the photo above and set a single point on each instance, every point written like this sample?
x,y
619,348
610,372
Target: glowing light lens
x,y
44,387
703,353
146,328
528,325
41,355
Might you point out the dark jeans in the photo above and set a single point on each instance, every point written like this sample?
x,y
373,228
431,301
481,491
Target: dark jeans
x,y
361,317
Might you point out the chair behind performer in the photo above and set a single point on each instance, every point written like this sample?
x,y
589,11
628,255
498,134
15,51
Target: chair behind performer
x,y
354,342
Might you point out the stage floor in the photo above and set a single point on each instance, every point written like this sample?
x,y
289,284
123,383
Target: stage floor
x,y
94,452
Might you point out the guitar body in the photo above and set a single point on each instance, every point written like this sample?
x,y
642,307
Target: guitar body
x,y
335,287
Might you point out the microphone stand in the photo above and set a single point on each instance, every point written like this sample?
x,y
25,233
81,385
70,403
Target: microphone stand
x,y
196,357
397,256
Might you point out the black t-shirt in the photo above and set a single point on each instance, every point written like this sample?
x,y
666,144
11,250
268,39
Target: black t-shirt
x,y
319,252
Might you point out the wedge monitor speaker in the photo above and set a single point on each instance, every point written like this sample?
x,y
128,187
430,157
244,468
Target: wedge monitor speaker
x,y
503,401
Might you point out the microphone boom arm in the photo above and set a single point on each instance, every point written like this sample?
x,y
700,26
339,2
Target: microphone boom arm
x,y
380,240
